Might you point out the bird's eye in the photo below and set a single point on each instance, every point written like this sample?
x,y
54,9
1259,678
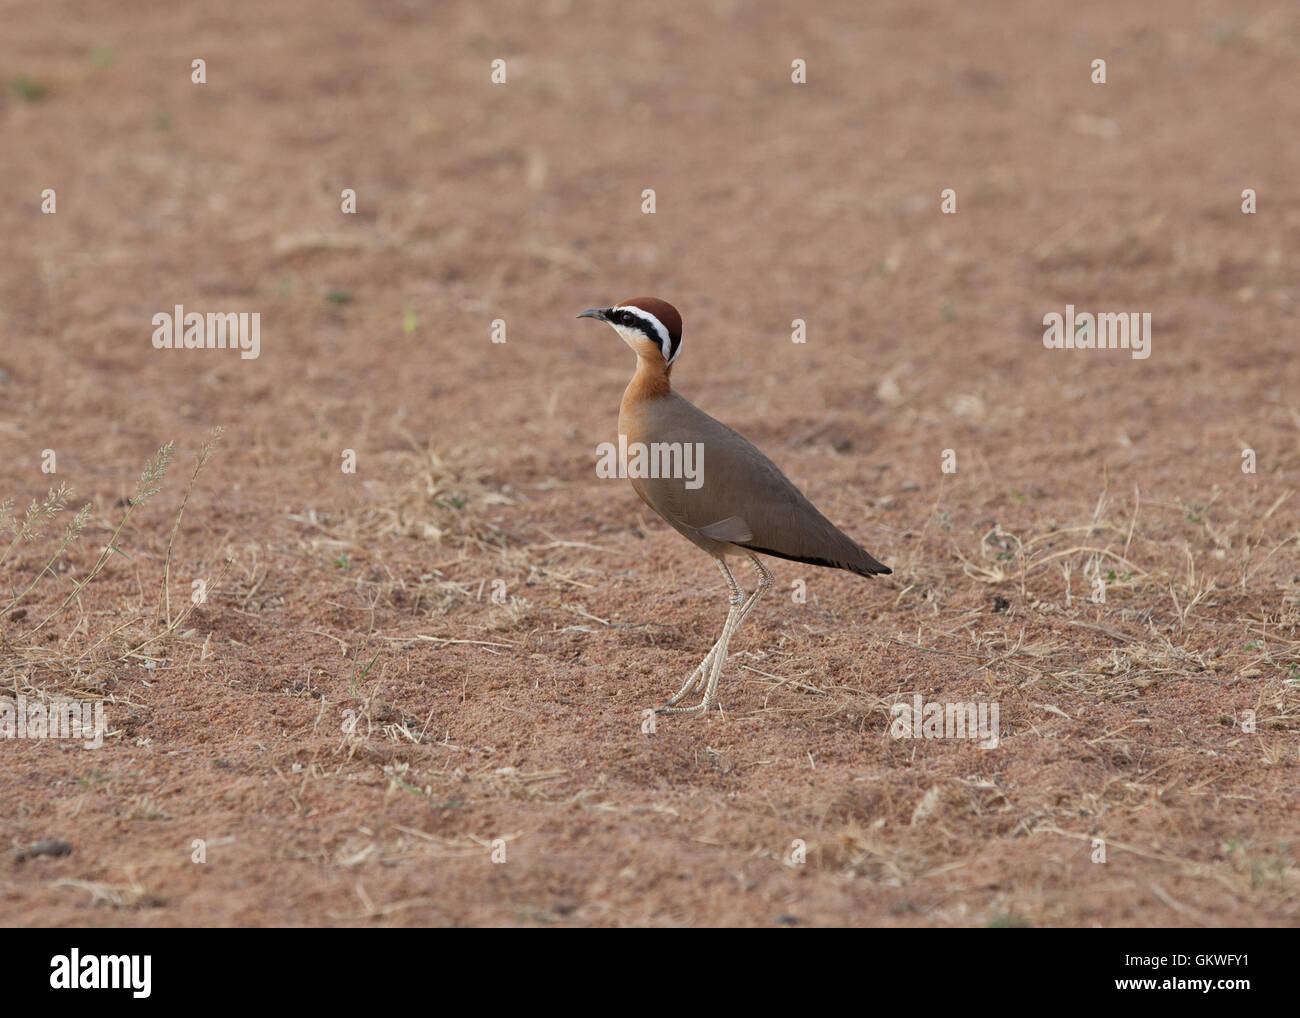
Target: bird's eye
x,y
622,318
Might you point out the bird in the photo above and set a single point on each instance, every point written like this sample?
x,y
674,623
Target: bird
x,y
738,505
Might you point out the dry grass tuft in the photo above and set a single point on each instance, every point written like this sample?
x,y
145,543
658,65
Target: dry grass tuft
x,y
79,662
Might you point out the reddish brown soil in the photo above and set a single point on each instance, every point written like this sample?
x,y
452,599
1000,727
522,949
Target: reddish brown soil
x,y
521,721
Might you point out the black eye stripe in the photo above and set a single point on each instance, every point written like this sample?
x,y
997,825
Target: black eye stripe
x,y
629,319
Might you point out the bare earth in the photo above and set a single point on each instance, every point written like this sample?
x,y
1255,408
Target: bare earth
x,y
353,727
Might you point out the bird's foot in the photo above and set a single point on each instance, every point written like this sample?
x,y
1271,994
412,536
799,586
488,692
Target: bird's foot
x,y
694,683
699,708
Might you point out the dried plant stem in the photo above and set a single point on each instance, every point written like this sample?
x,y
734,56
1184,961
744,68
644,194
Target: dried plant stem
x,y
37,513
183,616
209,444
73,532
146,487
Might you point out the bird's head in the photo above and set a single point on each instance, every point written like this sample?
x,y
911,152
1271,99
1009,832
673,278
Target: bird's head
x,y
650,326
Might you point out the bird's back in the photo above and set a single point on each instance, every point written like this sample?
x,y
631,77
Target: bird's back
x,y
743,499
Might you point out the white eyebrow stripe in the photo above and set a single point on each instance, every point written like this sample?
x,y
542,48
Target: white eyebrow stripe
x,y
665,342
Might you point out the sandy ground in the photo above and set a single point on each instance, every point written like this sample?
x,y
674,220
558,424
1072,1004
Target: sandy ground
x,y
414,694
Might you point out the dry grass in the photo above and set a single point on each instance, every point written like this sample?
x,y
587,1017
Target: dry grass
x,y
63,648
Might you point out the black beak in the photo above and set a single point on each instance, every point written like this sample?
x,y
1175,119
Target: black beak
x,y
600,313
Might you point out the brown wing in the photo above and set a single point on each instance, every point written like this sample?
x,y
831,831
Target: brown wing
x,y
743,499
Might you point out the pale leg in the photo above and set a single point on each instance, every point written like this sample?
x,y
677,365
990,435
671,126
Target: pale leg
x,y
709,671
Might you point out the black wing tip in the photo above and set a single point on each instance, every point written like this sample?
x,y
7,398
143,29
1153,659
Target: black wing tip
x,y
874,568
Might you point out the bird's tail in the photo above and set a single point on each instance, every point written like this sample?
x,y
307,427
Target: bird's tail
x,y
868,566
853,559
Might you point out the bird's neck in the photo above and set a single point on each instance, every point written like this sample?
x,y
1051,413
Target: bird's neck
x,y
649,383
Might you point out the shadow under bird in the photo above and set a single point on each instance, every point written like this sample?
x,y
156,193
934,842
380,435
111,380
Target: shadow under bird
x,y
741,505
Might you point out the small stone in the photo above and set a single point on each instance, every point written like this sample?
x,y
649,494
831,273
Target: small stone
x,y
46,846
